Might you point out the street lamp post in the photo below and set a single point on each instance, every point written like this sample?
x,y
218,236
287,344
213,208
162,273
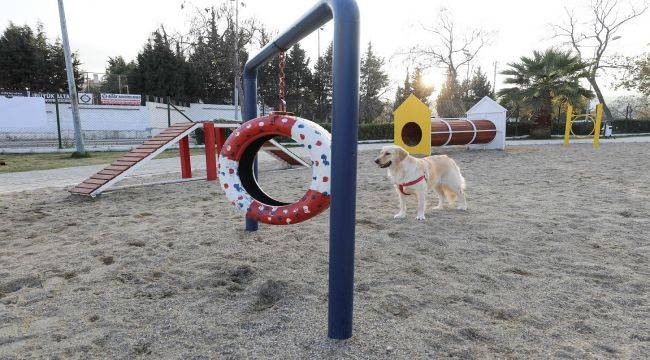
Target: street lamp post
x,y
494,81
72,87
236,100
321,86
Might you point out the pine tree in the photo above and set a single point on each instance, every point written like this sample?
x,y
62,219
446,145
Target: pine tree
x,y
475,89
57,78
118,75
449,103
322,86
298,79
403,91
373,83
211,61
49,67
419,88
28,60
207,70
268,78
159,69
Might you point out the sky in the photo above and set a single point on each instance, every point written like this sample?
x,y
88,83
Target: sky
x,y
99,29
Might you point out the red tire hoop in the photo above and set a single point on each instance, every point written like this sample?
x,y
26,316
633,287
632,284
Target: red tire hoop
x,y
236,169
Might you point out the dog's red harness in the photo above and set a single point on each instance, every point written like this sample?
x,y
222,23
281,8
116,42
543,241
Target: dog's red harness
x,y
402,186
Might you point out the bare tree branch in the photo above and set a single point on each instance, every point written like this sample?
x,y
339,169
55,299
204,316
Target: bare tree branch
x,y
592,41
449,48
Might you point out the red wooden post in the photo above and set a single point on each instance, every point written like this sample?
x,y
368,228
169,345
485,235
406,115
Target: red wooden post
x,y
220,135
221,138
210,156
186,166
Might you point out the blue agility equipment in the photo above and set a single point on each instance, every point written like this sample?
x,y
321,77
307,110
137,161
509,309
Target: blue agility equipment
x,y
345,122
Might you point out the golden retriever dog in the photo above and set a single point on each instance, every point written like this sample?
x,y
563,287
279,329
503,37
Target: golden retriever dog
x,y
411,175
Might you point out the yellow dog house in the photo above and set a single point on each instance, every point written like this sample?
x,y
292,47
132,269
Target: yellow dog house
x,y
413,126
483,127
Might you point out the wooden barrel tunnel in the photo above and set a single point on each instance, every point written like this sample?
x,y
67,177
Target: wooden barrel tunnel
x,y
452,132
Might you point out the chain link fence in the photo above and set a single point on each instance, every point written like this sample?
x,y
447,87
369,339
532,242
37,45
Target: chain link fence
x,y
30,120
40,121
518,127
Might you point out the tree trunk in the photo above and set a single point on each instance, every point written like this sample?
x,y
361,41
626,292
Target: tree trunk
x,y
601,99
541,128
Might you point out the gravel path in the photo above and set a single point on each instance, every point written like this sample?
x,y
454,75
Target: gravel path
x,y
550,261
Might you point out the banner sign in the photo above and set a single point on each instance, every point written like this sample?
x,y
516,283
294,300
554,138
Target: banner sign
x,y
11,94
121,99
85,98
64,98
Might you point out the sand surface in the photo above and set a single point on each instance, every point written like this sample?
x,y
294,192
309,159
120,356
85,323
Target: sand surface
x,y
551,260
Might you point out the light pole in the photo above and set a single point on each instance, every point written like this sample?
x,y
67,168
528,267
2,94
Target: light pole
x,y
236,100
320,79
319,30
494,81
72,87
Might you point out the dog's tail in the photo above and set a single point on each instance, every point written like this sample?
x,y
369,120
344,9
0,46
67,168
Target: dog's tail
x,y
461,179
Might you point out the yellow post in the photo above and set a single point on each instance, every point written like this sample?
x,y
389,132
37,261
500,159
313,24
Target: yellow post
x,y
567,126
597,124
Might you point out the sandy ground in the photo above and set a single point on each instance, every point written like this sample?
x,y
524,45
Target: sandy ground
x,y
551,260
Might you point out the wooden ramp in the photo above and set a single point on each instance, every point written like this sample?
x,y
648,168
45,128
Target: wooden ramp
x,y
125,165
283,154
128,163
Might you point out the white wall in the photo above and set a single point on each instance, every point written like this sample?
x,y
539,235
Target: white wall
x,y
206,112
100,117
22,114
100,121
157,115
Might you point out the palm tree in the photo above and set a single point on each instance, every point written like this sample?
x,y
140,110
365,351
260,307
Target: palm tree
x,y
548,76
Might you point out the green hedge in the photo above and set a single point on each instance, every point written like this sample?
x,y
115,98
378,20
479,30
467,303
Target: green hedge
x,y
619,126
520,128
630,126
371,131
384,131
199,137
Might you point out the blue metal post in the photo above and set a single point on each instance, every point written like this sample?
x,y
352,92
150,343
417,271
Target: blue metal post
x,y
250,112
345,121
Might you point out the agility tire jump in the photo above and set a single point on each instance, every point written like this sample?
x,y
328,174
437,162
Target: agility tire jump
x,y
240,185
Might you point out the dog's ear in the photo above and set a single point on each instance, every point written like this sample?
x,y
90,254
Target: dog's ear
x,y
401,154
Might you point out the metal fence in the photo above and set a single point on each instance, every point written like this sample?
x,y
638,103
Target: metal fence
x,y
521,127
117,126
103,125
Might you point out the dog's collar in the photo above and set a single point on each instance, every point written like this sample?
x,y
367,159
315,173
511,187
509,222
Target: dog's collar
x,y
403,185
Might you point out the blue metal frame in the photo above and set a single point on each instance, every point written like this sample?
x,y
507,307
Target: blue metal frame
x,y
345,122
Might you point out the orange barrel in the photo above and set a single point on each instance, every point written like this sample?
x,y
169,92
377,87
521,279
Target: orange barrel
x,y
462,132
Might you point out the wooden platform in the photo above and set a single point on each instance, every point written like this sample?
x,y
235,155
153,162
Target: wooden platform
x,y
121,167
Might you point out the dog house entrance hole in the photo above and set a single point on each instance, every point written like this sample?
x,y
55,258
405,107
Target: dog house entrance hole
x,y
411,134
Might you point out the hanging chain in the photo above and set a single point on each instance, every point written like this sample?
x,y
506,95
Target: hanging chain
x,y
282,88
